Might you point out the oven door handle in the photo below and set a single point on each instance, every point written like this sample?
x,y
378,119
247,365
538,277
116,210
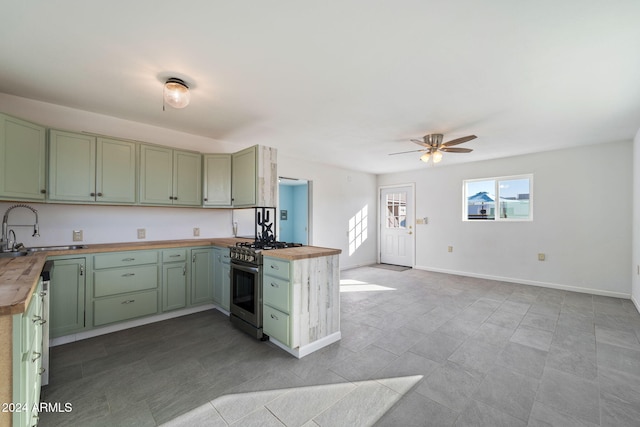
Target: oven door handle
x,y
245,268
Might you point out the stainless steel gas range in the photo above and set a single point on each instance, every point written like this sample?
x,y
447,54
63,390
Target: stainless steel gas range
x,y
246,284
246,274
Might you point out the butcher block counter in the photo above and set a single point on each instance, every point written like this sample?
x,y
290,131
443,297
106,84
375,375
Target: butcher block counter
x,y
19,276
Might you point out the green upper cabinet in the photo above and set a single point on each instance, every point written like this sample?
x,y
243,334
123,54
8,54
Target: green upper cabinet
x,y
83,168
245,177
187,178
169,177
217,180
22,160
254,177
115,171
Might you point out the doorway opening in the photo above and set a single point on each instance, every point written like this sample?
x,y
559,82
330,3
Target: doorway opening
x,y
294,208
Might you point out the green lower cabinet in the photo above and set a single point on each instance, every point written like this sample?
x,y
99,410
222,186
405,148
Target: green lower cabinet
x,y
27,361
201,276
67,300
174,286
124,307
221,277
276,324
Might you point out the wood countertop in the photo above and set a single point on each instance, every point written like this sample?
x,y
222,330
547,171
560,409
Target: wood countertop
x,y
19,276
301,252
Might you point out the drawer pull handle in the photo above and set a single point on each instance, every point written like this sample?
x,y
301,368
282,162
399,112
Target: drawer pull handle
x,y
41,371
274,285
175,256
128,259
129,301
36,356
273,316
128,274
39,320
275,267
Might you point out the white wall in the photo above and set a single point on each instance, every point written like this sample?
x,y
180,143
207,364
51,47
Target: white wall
x,y
635,262
337,195
111,224
581,220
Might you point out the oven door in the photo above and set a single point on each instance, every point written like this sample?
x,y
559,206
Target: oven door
x,y
246,293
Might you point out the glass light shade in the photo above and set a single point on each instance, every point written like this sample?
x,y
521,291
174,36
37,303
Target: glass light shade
x,y
176,93
437,156
425,157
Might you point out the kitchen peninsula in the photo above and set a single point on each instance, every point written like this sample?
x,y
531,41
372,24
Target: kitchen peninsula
x,y
301,318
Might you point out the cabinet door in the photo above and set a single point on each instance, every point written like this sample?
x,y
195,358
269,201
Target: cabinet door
x,y
174,284
22,160
244,177
221,278
187,178
156,175
217,180
67,301
115,171
201,276
72,160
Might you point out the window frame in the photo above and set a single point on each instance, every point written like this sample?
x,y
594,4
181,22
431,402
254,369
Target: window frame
x,y
497,180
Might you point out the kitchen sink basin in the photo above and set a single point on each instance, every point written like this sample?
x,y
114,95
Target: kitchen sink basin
x,y
13,254
56,248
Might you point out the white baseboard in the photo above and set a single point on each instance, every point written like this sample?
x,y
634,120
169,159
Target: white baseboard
x,y
635,302
530,282
300,352
131,324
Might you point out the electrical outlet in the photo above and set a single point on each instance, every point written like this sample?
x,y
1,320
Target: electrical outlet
x,y
196,231
142,233
541,257
450,249
77,235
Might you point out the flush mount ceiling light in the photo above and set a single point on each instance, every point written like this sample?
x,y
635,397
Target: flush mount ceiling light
x,y
176,93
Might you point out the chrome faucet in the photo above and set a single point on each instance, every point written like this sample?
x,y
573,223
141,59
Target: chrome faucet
x,y
4,242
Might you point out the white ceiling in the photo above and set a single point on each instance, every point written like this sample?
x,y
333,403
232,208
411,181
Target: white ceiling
x,y
341,82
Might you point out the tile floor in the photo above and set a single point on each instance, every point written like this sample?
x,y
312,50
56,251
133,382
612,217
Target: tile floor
x,y
418,349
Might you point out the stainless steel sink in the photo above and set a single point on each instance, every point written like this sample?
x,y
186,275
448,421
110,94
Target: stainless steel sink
x,y
56,248
13,254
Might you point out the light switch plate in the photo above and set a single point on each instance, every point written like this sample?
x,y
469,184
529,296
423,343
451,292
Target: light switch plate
x,y
77,235
196,231
142,233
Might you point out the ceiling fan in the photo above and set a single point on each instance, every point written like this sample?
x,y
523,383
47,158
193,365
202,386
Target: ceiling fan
x,y
434,147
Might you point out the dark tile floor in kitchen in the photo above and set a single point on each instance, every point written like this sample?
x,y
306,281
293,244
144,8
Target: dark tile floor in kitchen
x,y
418,348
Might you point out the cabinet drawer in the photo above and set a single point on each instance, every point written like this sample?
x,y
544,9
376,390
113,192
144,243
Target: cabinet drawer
x,y
121,259
276,293
172,255
276,267
123,307
276,324
122,280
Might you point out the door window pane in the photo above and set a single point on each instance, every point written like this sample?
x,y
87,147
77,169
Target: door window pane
x,y
396,210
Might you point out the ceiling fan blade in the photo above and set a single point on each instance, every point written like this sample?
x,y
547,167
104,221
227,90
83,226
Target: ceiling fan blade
x,y
458,141
455,150
404,152
417,141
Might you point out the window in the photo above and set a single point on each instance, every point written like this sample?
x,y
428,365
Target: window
x,y
498,199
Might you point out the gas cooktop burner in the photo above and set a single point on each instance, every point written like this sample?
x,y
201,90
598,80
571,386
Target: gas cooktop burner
x,y
266,245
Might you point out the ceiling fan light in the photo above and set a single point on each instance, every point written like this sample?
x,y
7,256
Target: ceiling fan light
x,y
437,156
425,157
176,93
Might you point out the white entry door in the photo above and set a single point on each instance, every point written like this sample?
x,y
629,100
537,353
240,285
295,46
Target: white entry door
x,y
397,225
